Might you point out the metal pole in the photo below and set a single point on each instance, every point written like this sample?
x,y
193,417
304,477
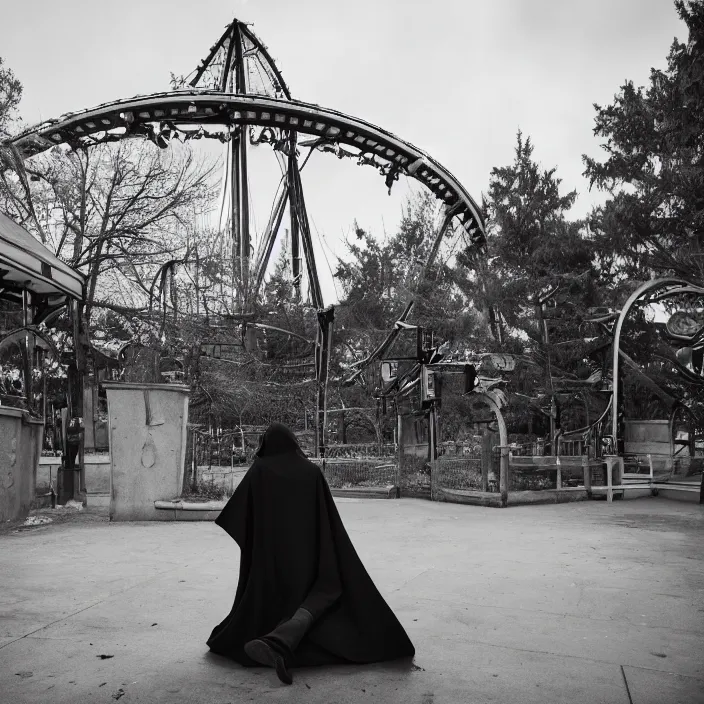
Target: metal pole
x,y
328,347
295,234
325,323
227,69
503,439
27,352
318,372
432,436
548,374
399,451
295,259
296,195
242,171
269,238
244,214
235,208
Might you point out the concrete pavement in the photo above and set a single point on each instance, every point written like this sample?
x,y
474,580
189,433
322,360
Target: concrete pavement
x,y
581,603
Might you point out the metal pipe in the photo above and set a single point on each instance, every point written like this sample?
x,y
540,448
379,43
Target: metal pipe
x,y
633,298
270,237
295,235
298,201
503,439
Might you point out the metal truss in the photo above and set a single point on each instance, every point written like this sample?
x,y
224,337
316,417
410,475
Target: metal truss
x,y
238,96
166,116
652,291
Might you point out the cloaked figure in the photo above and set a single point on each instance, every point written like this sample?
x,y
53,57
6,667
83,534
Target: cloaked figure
x,y
303,597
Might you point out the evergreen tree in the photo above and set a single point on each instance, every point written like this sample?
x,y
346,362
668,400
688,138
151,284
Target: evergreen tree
x,y
653,222
652,225
539,283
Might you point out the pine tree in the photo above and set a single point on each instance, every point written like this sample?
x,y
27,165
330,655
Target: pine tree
x,y
540,282
653,222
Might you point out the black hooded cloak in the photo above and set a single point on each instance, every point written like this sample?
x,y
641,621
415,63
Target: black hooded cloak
x,y
295,553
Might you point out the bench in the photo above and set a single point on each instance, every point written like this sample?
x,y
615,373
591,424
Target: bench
x,y
652,480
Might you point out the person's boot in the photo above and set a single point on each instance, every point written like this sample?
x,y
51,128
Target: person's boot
x,y
276,649
265,654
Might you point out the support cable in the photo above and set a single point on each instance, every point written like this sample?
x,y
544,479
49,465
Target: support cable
x,y
322,249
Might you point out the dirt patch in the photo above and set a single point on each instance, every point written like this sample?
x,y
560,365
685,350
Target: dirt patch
x,y
58,516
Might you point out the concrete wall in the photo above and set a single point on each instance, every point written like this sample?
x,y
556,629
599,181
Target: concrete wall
x,y
547,496
690,496
146,461
97,480
20,447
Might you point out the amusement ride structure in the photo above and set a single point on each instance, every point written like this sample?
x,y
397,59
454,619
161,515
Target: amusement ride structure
x,y
237,95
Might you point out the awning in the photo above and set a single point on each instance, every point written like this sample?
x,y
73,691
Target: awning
x,y
25,263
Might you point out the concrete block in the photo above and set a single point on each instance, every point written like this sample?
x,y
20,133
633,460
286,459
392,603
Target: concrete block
x,y
20,447
547,496
147,447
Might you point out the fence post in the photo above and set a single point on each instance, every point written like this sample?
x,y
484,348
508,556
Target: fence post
x,y
399,454
194,459
586,467
433,478
487,457
398,474
558,478
609,478
504,475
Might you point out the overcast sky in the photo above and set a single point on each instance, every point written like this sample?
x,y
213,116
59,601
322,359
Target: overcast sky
x,y
456,78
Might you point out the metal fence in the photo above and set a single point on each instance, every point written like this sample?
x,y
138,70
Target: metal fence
x,y
351,473
227,479
458,468
360,451
532,478
414,472
464,472
566,447
222,449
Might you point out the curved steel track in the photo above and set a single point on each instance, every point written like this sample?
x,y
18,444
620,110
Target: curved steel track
x,y
124,118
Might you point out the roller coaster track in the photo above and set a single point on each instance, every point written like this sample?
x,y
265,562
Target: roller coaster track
x,y
161,115
220,102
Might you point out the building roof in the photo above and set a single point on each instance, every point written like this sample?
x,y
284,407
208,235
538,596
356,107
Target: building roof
x,y
25,263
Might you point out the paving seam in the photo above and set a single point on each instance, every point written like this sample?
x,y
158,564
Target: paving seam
x,y
664,672
625,682
676,631
90,606
578,657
